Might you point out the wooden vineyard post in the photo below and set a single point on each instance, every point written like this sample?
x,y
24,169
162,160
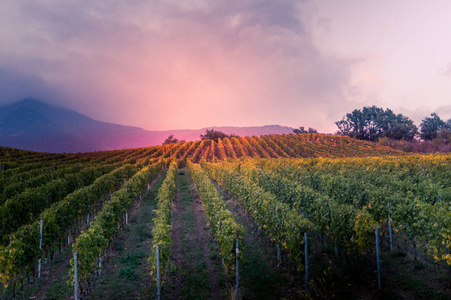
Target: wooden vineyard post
x,y
75,277
306,263
40,249
100,265
389,228
378,259
237,273
158,273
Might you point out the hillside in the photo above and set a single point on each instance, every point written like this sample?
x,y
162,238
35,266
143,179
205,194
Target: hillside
x,y
112,209
34,125
268,146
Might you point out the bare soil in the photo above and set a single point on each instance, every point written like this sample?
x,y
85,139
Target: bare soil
x,y
197,272
176,279
262,276
125,271
206,241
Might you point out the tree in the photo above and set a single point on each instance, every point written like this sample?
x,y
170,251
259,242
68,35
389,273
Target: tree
x,y
444,136
373,123
352,125
171,140
312,130
213,135
398,127
430,126
448,124
302,130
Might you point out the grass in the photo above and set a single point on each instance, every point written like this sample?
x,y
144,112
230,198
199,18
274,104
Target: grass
x,y
197,282
59,288
257,278
126,274
415,277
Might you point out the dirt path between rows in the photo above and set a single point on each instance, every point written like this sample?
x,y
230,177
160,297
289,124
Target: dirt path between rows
x,y
126,271
198,271
205,237
54,276
261,275
175,278
53,272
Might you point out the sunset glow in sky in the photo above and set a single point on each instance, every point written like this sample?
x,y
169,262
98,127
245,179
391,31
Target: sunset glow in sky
x,y
190,64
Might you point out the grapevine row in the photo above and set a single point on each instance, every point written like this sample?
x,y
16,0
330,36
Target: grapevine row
x,y
91,242
26,206
285,225
222,223
162,228
20,256
410,213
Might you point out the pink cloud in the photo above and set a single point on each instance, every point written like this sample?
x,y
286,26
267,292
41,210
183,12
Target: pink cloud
x,y
191,64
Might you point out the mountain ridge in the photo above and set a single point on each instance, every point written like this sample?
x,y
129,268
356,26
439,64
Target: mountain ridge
x,y
32,124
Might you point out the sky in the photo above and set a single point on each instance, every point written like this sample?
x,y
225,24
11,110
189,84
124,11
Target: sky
x,y
166,64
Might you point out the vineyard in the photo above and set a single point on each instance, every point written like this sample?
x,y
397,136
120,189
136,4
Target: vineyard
x,y
297,216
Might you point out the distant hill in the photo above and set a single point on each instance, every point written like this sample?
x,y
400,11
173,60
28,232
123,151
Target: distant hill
x,y
194,134
31,124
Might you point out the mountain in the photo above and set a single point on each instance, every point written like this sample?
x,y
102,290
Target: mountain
x,y
31,124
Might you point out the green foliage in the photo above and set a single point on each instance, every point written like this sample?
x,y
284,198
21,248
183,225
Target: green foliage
x,y
162,224
347,198
25,206
282,223
302,130
444,136
128,273
171,140
336,193
364,231
211,134
430,126
372,123
90,244
20,256
222,223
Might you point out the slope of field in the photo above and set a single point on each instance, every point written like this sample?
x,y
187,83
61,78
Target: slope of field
x,y
332,187
34,125
354,210
269,146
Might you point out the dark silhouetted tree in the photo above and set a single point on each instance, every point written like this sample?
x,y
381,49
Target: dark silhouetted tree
x,y
171,140
213,135
302,130
430,126
373,123
444,136
448,124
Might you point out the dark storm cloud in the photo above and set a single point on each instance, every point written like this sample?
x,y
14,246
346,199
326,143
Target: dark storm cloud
x,y
246,56
15,85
